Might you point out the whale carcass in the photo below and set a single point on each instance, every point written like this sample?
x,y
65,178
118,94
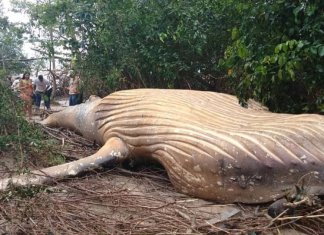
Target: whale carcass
x,y
210,146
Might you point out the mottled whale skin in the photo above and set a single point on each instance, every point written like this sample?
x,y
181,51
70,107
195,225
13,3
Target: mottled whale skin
x,y
210,146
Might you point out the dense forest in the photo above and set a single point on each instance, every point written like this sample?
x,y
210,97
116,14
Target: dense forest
x,y
272,51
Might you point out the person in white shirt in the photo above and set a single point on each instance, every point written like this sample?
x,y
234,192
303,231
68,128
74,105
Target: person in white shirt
x,y
15,85
43,89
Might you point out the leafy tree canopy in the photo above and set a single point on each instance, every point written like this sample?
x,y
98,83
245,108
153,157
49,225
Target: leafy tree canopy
x,y
277,54
11,41
271,51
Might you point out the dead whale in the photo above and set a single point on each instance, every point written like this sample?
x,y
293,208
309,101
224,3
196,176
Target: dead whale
x,y
211,147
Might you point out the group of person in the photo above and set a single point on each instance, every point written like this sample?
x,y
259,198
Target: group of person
x,y
32,92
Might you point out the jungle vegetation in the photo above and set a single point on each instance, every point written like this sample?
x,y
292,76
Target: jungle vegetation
x,y
272,51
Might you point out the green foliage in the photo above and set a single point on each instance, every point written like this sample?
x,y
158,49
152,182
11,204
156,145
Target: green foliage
x,y
55,159
272,50
131,43
277,54
10,119
21,192
11,41
16,134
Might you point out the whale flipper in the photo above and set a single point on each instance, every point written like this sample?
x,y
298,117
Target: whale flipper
x,y
113,150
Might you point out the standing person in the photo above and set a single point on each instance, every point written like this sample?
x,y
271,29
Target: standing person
x,y
42,88
15,85
47,95
26,93
74,93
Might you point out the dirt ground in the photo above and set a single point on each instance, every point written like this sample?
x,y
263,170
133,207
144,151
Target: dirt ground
x,y
141,200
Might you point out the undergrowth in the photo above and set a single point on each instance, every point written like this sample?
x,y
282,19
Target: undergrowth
x,y
21,139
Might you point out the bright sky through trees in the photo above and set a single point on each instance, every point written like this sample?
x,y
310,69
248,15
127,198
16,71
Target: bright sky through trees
x,y
16,17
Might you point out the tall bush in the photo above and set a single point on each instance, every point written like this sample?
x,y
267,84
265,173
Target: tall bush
x,y
277,54
16,134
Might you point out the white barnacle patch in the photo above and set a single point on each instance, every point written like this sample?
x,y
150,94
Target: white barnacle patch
x,y
275,196
304,158
116,154
233,179
316,174
197,168
72,172
219,183
230,190
258,177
